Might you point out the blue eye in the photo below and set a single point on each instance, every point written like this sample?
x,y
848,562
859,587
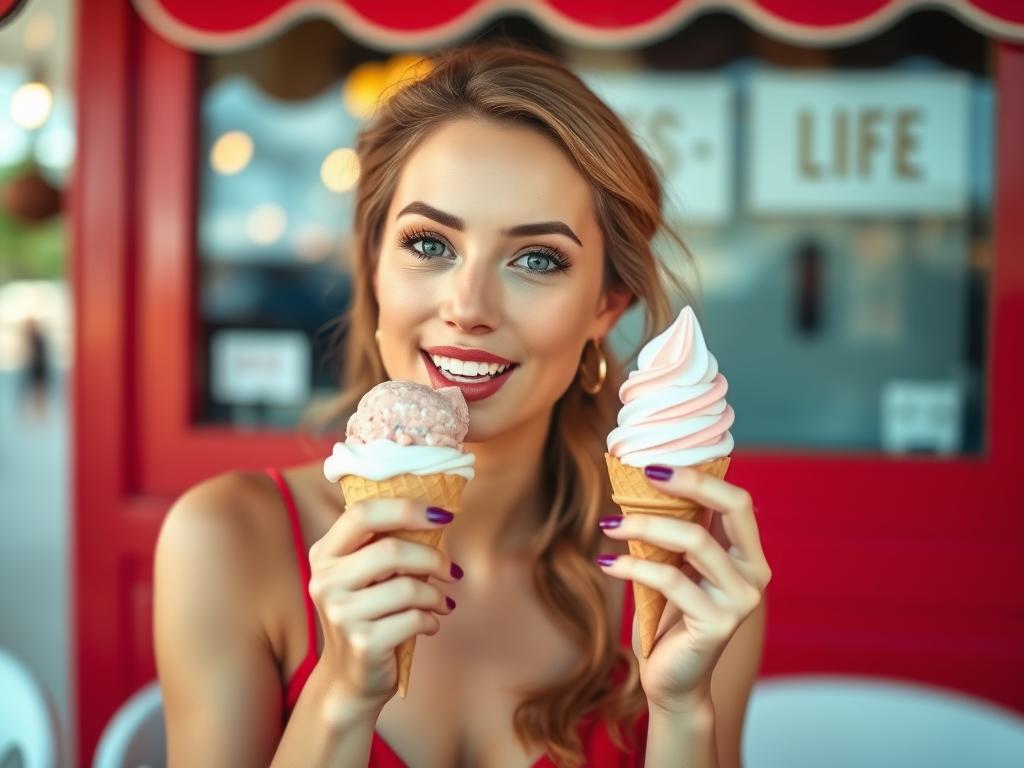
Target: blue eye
x,y
426,246
542,261
429,247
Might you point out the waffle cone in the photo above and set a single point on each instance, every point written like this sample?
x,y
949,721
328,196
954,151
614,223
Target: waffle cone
x,y
439,490
634,494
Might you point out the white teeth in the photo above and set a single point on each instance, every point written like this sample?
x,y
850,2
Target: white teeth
x,y
467,371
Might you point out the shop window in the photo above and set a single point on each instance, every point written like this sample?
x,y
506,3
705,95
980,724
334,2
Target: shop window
x,y
837,202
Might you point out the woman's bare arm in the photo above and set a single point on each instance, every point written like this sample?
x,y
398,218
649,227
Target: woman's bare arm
x,y
221,685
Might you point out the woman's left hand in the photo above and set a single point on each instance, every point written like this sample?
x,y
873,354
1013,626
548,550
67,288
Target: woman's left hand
x,y
721,584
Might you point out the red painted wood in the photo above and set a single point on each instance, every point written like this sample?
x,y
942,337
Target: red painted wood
x,y
904,568
101,259
174,452
135,446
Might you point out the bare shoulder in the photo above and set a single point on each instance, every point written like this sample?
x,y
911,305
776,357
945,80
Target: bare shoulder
x,y
233,501
228,521
217,670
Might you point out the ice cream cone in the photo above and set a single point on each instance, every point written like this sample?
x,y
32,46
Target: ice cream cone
x,y
634,494
438,490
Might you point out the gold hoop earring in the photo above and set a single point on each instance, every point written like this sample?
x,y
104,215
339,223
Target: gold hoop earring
x,y
376,335
602,371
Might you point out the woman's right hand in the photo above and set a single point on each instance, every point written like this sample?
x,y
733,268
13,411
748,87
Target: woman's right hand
x,y
365,588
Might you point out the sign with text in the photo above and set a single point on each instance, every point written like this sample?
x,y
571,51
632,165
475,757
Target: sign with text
x,y
684,123
856,143
260,367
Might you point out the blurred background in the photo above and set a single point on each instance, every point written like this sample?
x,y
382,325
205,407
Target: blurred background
x,y
176,187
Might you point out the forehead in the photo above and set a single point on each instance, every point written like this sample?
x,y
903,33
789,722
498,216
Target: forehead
x,y
494,174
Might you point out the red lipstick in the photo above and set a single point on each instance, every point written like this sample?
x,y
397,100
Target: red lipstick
x,y
470,390
468,354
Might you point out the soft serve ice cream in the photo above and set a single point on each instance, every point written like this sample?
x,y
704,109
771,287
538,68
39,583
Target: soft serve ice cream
x,y
673,413
673,406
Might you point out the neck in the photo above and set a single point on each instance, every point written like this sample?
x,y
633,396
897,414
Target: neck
x,y
503,505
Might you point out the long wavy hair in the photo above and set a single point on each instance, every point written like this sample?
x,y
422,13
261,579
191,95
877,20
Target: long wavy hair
x,y
507,83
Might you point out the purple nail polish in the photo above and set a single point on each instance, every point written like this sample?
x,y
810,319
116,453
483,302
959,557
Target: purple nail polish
x,y
450,602
456,571
614,521
605,560
658,472
438,515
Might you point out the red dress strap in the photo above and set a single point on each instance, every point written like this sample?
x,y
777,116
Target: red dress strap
x,y
301,674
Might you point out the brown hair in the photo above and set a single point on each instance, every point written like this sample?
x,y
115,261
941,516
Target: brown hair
x,y
508,83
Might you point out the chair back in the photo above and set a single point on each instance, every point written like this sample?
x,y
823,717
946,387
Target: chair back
x,y
135,736
851,722
29,725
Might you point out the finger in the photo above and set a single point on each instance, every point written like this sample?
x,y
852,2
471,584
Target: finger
x,y
361,522
675,585
391,631
702,551
733,502
390,556
395,596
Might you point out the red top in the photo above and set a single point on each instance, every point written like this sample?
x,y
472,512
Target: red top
x,y
598,749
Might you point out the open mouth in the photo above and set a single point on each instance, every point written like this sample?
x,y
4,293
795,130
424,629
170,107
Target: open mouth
x,y
459,372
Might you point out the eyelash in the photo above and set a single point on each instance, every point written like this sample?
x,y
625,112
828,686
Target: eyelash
x,y
560,260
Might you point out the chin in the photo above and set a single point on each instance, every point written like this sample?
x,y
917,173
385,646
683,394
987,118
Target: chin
x,y
481,428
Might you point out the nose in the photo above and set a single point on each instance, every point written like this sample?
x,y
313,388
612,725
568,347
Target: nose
x,y
471,299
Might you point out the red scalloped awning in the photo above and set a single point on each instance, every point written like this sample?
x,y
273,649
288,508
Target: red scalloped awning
x,y
226,24
8,9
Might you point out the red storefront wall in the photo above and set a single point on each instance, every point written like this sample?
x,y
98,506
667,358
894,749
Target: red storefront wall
x,y
907,568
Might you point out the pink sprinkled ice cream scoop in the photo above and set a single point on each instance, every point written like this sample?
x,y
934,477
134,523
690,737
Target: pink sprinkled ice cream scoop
x,y
410,414
401,427
405,441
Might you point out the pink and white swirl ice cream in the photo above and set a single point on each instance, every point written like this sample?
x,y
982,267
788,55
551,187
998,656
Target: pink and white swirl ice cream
x,y
674,410
673,413
401,427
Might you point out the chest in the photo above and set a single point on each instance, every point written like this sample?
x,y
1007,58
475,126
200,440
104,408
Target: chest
x,y
467,681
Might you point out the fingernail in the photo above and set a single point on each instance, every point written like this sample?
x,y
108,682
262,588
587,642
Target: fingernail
x,y
605,560
610,522
658,472
456,571
451,603
438,515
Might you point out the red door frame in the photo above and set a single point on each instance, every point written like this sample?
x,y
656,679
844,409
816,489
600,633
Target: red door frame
x,y
877,572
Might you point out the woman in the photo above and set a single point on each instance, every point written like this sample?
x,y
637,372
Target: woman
x,y
501,207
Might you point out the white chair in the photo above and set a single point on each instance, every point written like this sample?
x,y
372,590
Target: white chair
x,y
29,725
135,736
855,722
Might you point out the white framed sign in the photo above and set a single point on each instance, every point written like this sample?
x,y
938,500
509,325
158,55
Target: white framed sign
x,y
922,416
685,123
249,367
884,144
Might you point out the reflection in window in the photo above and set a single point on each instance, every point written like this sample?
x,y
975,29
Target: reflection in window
x,y
837,202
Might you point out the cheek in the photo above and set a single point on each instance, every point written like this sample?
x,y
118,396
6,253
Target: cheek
x,y
551,332
401,300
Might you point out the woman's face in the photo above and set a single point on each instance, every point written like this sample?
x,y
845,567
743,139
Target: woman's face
x,y
453,272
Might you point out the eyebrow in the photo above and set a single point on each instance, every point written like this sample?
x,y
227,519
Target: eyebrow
x,y
449,220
